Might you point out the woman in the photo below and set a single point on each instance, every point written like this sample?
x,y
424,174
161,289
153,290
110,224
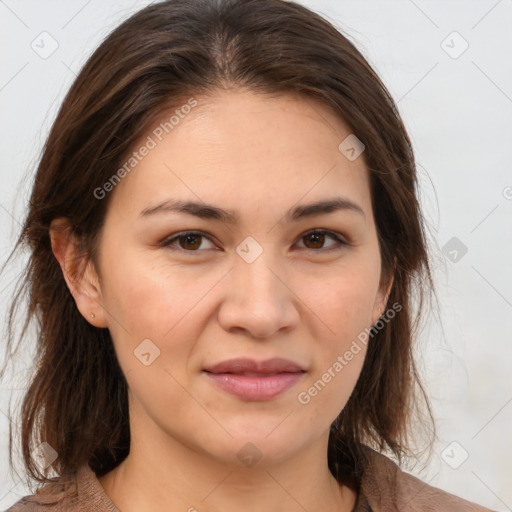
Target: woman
x,y
225,241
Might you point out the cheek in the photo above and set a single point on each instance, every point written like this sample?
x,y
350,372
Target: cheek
x,y
344,301
149,297
147,301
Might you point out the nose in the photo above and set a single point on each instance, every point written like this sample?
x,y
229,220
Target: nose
x,y
259,298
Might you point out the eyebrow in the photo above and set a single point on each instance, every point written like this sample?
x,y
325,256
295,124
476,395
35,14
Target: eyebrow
x,y
212,212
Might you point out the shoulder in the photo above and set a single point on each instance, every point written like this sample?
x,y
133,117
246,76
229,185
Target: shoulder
x,y
76,493
387,487
50,497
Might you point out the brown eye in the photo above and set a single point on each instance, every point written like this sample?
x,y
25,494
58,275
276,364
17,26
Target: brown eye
x,y
316,240
188,241
191,241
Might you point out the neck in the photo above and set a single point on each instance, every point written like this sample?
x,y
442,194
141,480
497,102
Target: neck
x,y
160,473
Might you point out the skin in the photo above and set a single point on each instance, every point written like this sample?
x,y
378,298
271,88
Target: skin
x,y
202,303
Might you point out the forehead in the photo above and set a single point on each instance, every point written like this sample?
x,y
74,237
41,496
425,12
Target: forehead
x,y
244,149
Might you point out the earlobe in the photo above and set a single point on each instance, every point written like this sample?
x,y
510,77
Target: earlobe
x,y
79,274
382,300
384,292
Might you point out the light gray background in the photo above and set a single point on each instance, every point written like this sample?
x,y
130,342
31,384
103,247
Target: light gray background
x,y
458,111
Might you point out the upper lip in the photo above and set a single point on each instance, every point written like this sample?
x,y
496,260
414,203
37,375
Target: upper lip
x,y
243,365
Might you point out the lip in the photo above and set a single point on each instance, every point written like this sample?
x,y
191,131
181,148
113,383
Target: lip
x,y
244,365
255,380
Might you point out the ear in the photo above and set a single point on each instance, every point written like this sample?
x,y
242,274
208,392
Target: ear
x,y
80,276
382,297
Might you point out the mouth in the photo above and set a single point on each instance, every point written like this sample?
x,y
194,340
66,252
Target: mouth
x,y
255,381
244,365
251,374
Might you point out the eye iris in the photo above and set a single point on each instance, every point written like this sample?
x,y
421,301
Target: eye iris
x,y
192,241
187,239
318,237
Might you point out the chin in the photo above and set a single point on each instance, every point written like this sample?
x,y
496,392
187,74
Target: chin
x,y
260,445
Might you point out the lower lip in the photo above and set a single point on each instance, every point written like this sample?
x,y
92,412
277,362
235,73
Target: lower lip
x,y
255,387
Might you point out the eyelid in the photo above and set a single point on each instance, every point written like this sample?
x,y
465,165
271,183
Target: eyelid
x,y
166,242
338,237
323,231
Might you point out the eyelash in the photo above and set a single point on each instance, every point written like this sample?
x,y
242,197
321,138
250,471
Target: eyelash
x,y
174,238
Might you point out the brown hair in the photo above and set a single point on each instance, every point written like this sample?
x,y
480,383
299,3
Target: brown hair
x,y
77,399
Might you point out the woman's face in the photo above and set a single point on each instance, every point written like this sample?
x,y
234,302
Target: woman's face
x,y
256,285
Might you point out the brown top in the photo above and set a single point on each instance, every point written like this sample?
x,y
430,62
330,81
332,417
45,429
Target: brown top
x,y
384,487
